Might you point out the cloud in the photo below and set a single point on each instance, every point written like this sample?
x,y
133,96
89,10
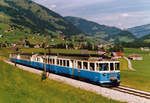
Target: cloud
x,y
123,20
120,13
64,4
52,7
124,15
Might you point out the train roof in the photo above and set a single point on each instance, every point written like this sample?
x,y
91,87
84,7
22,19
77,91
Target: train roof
x,y
85,57
61,54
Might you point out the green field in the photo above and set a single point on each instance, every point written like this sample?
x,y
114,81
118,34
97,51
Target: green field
x,y
123,64
18,86
139,79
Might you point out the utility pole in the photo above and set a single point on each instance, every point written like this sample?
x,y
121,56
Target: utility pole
x,y
44,74
45,58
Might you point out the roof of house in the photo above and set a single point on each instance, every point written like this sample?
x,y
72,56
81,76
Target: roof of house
x,y
134,55
117,54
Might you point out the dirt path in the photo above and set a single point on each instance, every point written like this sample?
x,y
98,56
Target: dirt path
x,y
129,64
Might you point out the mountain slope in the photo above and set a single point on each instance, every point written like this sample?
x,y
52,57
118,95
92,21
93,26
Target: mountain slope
x,y
103,32
90,27
124,36
29,15
140,31
145,38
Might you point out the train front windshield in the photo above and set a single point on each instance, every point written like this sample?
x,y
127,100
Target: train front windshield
x,y
105,66
102,67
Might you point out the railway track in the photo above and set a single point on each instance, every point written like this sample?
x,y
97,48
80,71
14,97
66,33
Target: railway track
x,y
132,91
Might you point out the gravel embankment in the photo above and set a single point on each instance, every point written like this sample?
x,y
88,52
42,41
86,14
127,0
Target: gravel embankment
x,y
106,92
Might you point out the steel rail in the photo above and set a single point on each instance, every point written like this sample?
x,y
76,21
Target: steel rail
x,y
131,91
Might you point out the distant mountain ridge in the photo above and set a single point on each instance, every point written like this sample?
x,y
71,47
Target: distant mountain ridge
x,y
19,18
90,27
107,33
140,31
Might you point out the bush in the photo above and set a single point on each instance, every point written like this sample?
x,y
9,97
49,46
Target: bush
x,y
43,76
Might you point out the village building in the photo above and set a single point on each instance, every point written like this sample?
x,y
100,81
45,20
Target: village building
x,y
37,46
103,45
13,45
145,48
61,37
25,43
9,30
117,54
59,32
100,52
135,57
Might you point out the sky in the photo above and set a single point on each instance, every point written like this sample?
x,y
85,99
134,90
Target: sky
x,y
119,13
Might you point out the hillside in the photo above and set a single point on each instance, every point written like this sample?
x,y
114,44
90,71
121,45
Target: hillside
x,y
140,31
31,17
145,39
125,36
92,28
103,32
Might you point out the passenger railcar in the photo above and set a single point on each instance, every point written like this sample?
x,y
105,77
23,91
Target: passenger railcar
x,y
96,70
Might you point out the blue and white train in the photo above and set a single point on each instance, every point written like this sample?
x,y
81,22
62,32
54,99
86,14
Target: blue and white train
x,y
94,69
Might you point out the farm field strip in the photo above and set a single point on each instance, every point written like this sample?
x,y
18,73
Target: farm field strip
x,y
113,94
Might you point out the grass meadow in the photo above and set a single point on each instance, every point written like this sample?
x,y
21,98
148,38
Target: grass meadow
x,y
139,79
18,86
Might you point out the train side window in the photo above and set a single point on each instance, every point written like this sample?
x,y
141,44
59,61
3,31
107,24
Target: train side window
x,y
38,59
97,67
117,66
64,62
60,62
47,60
57,61
67,63
85,65
50,61
111,66
53,61
92,66
79,65
103,67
